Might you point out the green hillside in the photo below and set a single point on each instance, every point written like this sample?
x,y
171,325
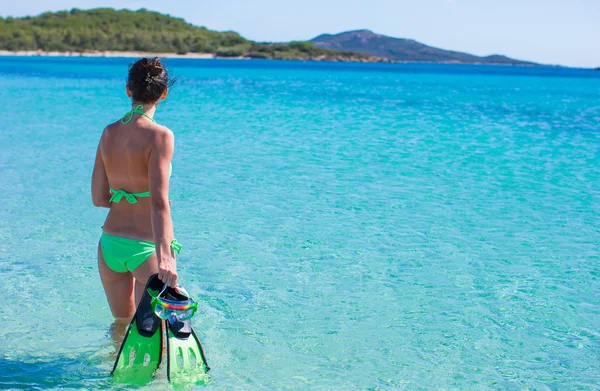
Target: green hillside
x,y
124,30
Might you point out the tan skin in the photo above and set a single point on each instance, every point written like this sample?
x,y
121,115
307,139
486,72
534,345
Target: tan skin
x,y
136,157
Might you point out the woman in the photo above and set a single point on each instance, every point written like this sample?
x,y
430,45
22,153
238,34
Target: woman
x,y
131,178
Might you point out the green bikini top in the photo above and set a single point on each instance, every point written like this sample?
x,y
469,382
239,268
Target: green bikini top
x,y
136,110
118,195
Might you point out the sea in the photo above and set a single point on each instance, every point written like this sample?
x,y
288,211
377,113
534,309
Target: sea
x,y
345,226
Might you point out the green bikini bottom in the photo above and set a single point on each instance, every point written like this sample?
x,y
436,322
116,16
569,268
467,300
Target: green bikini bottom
x,y
124,254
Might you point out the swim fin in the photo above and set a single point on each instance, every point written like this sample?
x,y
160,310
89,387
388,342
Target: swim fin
x,y
141,350
185,358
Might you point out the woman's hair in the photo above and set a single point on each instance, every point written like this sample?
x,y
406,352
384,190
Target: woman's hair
x,y
148,79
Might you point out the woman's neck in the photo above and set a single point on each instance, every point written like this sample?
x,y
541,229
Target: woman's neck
x,y
148,108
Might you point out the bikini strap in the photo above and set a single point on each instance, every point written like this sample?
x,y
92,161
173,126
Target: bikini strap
x,y
136,110
118,195
176,246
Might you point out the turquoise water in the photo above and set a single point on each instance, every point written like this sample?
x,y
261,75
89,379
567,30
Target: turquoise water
x,y
380,227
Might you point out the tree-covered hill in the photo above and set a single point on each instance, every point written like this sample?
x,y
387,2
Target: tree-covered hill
x,y
107,29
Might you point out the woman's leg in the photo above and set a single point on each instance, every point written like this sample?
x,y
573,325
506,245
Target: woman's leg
x,y
142,273
118,288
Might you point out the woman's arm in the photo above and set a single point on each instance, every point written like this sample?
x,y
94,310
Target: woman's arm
x,y
162,225
100,186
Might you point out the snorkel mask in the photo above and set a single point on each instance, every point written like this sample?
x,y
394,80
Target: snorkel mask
x,y
179,306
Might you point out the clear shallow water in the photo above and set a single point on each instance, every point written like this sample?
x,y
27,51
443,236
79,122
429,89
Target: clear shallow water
x,y
345,226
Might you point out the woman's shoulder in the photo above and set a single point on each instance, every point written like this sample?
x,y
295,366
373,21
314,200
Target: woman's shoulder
x,y
163,137
106,132
161,131
111,127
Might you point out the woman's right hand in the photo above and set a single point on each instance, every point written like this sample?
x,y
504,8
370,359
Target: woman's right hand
x,y
167,270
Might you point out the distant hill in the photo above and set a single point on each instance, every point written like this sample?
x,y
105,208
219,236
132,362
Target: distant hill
x,y
399,49
106,29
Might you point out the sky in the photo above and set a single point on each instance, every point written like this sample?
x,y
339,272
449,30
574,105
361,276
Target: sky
x,y
565,32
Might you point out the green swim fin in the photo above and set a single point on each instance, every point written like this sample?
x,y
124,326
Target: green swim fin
x,y
141,350
186,362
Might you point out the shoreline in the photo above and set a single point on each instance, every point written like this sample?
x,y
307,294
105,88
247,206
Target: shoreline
x,y
192,56
213,56
103,53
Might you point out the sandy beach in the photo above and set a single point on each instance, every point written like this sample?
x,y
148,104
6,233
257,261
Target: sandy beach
x,y
134,54
104,53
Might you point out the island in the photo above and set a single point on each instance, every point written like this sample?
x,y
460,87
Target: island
x,y
109,32
369,43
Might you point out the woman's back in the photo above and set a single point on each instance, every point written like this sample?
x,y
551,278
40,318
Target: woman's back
x,y
125,151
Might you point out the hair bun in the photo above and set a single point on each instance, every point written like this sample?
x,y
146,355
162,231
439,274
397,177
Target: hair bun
x,y
155,67
148,79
